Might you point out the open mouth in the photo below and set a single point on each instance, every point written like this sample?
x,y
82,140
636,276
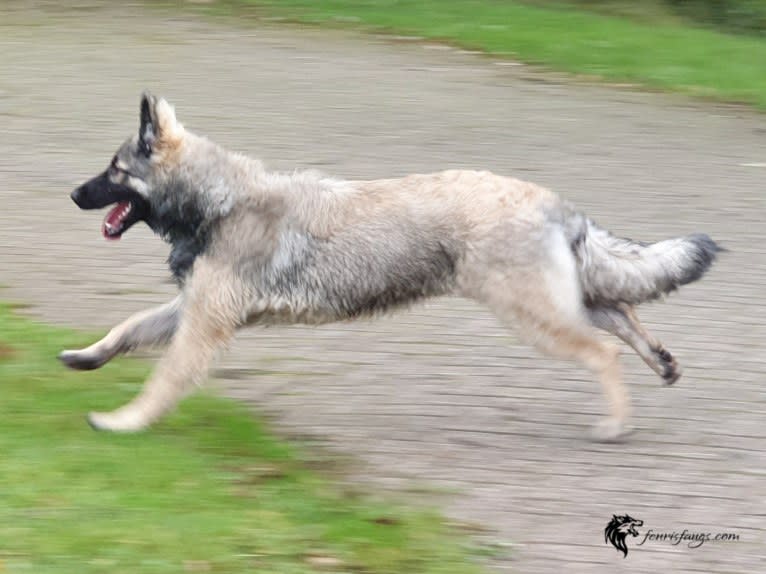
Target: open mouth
x,y
117,221
127,206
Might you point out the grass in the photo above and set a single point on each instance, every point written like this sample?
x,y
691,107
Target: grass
x,y
667,54
208,490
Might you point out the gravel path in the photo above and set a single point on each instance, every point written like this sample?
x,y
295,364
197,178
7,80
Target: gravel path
x,y
440,398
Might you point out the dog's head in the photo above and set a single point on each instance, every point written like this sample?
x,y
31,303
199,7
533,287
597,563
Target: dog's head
x,y
135,170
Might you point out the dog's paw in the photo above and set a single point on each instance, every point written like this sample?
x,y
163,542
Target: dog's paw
x,y
119,421
670,371
671,375
81,360
611,430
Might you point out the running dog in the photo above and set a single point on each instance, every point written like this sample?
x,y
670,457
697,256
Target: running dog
x,y
255,247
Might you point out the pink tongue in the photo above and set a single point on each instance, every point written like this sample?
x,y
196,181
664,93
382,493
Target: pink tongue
x,y
114,219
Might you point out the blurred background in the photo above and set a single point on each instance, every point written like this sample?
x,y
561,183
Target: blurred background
x,y
429,441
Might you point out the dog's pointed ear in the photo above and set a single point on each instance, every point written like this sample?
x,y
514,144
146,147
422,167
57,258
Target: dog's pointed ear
x,y
159,126
147,130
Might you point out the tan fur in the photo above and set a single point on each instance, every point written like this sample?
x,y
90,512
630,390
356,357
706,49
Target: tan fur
x,y
212,312
476,206
258,247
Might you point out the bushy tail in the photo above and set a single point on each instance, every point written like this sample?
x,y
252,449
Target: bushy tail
x,y
614,270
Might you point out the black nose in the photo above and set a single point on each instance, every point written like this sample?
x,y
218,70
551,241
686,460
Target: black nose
x,y
76,195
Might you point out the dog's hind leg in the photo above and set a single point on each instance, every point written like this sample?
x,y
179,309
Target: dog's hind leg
x,y
546,300
622,322
563,336
212,311
154,326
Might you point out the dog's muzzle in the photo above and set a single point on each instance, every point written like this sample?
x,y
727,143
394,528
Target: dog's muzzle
x,y
100,192
78,197
94,193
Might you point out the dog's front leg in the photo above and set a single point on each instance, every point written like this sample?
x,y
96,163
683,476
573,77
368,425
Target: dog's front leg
x,y
151,327
211,314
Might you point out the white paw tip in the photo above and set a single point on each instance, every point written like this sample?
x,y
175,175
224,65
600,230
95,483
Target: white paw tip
x,y
611,430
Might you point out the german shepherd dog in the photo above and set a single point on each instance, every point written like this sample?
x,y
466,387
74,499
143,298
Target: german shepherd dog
x,y
255,247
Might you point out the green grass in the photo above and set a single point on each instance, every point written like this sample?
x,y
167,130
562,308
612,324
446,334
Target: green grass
x,y
668,54
206,490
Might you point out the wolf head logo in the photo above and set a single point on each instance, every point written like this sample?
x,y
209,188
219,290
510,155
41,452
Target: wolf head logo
x,y
616,532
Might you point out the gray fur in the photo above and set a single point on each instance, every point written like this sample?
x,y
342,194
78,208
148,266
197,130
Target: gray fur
x,y
622,322
251,246
615,270
151,327
350,275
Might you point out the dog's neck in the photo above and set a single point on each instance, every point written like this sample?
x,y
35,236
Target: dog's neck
x,y
195,199
182,256
179,217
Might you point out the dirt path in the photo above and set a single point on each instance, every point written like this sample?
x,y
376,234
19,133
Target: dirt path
x,y
441,396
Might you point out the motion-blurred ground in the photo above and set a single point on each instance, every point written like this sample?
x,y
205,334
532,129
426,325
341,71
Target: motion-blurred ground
x,y
441,396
